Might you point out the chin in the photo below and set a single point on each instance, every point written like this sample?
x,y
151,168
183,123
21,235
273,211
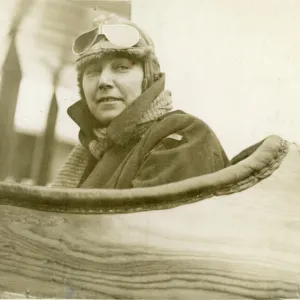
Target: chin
x,y
107,117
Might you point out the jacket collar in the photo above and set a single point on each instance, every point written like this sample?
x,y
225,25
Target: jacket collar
x,y
121,128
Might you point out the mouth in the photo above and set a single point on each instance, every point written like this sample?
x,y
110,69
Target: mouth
x,y
108,99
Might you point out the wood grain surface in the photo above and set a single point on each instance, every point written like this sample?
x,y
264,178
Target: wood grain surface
x,y
240,246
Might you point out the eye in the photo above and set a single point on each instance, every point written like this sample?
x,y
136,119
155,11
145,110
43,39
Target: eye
x,y
93,71
122,67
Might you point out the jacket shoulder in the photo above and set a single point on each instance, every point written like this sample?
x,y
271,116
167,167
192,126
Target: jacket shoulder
x,y
179,120
177,126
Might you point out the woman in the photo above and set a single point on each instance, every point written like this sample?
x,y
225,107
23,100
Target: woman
x,y
129,135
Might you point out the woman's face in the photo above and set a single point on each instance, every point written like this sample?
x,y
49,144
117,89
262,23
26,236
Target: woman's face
x,y
111,85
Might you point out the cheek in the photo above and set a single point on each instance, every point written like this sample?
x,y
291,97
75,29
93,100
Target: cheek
x,y
88,88
131,86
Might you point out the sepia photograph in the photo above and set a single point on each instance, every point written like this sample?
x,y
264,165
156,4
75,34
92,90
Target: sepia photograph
x,y
150,149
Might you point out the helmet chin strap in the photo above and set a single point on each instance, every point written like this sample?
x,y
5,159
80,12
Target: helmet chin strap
x,y
148,75
145,84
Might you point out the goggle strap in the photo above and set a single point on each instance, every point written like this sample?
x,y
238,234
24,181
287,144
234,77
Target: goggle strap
x,y
99,29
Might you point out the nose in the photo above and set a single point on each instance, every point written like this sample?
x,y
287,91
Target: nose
x,y
105,79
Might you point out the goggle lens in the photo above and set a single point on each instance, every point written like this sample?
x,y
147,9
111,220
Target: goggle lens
x,y
84,41
119,35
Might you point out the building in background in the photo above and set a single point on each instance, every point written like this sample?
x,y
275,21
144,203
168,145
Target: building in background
x,y
38,82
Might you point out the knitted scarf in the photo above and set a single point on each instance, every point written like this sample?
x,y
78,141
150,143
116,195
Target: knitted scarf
x,y
73,169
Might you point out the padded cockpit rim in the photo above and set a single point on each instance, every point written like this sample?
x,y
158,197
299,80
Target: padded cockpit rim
x,y
240,176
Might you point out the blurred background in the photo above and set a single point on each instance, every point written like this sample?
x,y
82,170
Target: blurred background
x,y
234,64
38,82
